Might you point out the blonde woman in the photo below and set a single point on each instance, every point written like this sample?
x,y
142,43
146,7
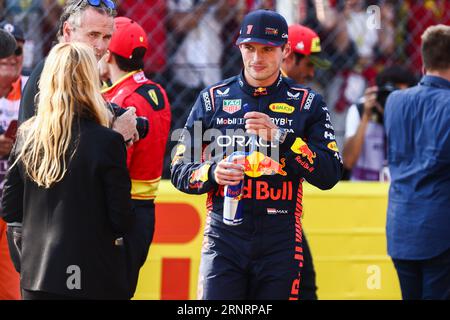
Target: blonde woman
x,y
69,186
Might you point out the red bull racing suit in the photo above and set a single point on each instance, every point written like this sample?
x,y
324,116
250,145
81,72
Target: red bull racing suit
x,y
262,257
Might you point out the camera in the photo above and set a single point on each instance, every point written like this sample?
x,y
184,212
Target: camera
x,y
142,124
382,95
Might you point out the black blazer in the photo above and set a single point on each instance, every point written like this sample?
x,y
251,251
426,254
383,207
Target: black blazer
x,y
73,225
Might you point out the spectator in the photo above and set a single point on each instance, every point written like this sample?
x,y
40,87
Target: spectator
x,y
418,137
7,44
125,60
33,16
364,148
11,87
67,146
9,278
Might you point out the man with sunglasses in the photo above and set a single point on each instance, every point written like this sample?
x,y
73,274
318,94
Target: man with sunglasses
x,y
91,22
11,86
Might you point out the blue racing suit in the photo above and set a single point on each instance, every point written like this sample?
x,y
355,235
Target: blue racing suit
x,y
262,257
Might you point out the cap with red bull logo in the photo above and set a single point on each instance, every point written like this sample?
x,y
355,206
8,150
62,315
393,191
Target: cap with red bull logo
x,y
264,27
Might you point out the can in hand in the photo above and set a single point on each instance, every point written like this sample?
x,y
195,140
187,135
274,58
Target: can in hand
x,y
233,214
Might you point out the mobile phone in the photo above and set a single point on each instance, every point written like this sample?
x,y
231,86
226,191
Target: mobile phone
x,y
12,130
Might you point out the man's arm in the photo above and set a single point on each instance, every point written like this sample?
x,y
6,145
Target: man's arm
x,y
189,172
27,102
315,156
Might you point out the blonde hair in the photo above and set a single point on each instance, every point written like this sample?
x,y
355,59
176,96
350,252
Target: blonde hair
x,y
69,87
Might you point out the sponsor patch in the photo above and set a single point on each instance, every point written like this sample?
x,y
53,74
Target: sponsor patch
x,y
293,96
181,148
300,147
329,126
230,121
333,146
232,106
309,100
206,101
223,93
140,77
282,121
281,108
272,31
315,45
261,91
200,175
304,164
276,211
329,135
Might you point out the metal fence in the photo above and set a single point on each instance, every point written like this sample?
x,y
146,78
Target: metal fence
x,y
192,41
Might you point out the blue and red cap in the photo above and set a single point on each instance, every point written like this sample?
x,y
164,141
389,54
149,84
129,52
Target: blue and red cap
x,y
264,27
13,29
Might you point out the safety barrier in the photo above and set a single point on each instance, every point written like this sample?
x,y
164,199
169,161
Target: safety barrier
x,y
345,228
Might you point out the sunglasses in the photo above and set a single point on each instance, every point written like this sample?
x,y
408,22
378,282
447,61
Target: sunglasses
x,y
96,3
18,51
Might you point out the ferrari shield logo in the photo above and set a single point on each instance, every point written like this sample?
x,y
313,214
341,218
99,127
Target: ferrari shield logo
x,y
153,95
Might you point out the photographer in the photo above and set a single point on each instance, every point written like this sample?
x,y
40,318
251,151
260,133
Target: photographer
x,y
365,148
124,63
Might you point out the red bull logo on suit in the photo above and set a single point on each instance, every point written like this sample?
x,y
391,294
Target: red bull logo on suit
x,y
300,147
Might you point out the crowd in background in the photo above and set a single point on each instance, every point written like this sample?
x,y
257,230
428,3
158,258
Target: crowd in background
x,y
192,42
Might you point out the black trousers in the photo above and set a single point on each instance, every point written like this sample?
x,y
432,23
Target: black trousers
x,y
425,279
139,239
308,286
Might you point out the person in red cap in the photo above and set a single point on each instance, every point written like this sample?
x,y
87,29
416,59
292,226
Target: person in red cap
x,y
300,64
130,87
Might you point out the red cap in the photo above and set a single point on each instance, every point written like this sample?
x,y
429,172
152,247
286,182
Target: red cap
x,y
305,41
128,35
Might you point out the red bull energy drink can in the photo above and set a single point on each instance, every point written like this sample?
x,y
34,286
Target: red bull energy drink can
x,y
233,214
